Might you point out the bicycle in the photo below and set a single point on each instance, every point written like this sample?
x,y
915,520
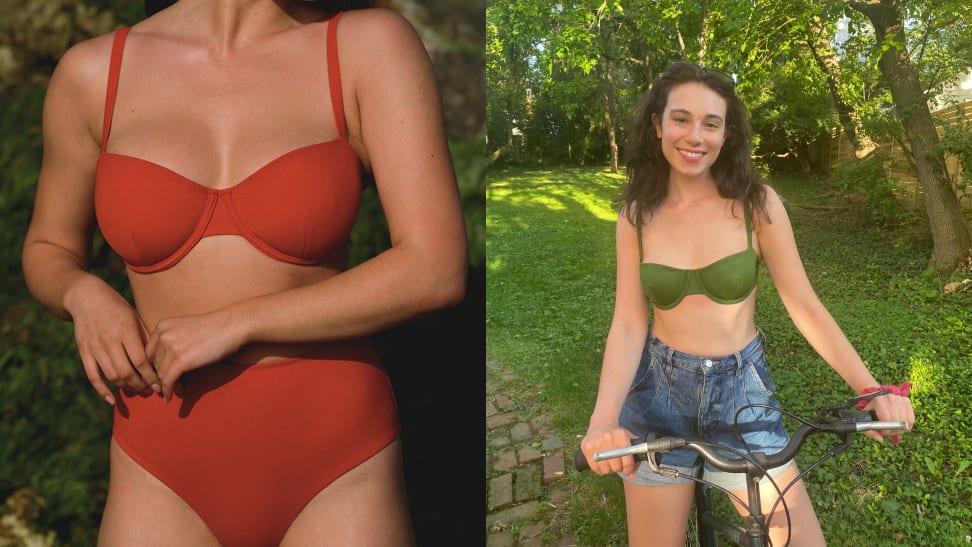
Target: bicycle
x,y
841,420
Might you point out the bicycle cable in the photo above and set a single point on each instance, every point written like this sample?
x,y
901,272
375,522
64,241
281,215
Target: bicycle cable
x,y
833,452
764,527
780,493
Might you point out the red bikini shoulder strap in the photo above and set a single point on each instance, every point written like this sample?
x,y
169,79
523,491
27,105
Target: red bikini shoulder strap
x,y
334,75
114,67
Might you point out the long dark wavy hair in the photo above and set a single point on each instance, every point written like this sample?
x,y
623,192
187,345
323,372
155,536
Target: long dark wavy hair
x,y
648,170
154,6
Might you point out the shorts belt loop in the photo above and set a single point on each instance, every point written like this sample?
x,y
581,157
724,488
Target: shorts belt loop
x,y
739,363
670,358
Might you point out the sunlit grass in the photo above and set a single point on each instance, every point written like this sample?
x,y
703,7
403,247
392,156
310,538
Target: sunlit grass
x,y
925,374
557,191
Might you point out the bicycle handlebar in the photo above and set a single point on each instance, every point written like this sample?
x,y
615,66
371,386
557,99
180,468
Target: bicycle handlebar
x,y
842,423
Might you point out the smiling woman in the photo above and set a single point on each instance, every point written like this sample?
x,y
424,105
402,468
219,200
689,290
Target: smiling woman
x,y
695,221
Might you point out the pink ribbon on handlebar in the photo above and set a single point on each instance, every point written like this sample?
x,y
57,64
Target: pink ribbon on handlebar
x,y
903,390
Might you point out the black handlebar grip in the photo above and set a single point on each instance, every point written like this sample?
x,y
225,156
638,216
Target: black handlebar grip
x,y
580,461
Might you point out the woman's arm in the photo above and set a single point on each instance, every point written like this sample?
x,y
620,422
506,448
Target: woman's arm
x,y
395,121
779,252
622,353
55,253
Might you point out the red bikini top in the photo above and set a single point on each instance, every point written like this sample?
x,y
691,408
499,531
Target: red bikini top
x,y
298,208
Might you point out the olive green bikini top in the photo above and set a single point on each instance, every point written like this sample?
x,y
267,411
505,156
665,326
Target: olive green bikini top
x,y
728,280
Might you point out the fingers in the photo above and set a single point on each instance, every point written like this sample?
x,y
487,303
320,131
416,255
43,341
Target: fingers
x,y
138,356
874,436
123,364
901,410
110,335
93,373
893,408
110,364
168,370
126,374
625,465
140,362
607,439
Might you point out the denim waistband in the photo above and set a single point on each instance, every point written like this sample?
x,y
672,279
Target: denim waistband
x,y
688,361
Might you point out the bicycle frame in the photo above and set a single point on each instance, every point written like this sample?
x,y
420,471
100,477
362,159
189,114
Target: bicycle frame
x,y
710,524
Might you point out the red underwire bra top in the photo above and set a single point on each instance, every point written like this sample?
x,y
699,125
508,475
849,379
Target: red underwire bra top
x,y
298,208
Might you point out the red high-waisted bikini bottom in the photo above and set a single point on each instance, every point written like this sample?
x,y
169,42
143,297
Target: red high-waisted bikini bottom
x,y
248,446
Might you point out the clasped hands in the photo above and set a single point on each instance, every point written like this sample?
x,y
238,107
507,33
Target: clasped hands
x,y
127,355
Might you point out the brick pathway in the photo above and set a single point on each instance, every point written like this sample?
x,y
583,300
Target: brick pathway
x,y
524,462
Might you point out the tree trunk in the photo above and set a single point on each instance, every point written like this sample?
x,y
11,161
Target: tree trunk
x,y
704,32
608,98
823,54
503,148
949,231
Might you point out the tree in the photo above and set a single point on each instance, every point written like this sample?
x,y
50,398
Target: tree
x,y
950,232
509,40
818,41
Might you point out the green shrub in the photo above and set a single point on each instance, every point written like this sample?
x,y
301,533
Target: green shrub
x,y
865,184
957,141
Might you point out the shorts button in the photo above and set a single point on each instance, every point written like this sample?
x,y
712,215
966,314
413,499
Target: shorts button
x,y
707,363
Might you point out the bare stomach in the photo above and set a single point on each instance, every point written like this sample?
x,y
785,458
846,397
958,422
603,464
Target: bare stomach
x,y
702,327
219,271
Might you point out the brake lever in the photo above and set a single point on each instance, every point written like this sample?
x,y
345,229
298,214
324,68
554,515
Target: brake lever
x,y
834,411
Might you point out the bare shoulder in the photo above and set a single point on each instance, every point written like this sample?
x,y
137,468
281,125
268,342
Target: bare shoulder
x,y
626,214
377,39
776,209
773,197
377,26
387,75
80,79
85,64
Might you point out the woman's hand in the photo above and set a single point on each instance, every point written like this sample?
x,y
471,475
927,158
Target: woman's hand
x,y
893,408
181,344
110,337
606,436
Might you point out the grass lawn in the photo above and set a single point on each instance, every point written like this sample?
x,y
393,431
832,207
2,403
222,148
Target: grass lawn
x,y
550,291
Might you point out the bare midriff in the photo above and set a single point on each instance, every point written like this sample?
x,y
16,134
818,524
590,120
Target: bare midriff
x,y
220,271
702,327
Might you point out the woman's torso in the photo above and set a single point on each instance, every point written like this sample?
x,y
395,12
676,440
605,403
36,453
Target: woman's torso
x,y
191,117
693,238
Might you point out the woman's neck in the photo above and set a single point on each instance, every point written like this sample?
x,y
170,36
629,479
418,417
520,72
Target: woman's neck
x,y
229,25
685,191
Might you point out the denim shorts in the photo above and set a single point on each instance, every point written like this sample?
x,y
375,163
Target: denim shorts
x,y
677,394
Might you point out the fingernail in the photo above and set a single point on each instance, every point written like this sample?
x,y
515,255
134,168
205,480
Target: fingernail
x,y
110,400
157,388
